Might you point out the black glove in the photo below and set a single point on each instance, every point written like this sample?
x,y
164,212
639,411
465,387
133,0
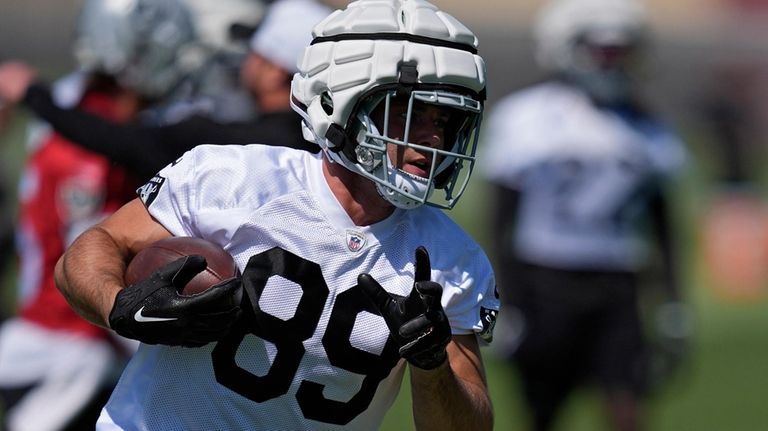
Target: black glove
x,y
417,322
153,312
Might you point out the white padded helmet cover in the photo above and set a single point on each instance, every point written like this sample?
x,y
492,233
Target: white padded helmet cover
x,y
347,69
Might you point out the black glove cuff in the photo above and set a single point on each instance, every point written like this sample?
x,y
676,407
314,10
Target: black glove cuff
x,y
429,360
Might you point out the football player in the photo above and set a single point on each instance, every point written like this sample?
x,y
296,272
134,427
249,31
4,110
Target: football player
x,y
207,112
350,270
57,369
580,169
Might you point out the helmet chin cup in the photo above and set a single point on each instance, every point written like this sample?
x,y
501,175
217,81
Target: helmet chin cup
x,y
408,192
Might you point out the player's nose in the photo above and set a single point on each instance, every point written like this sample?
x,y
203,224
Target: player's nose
x,y
428,135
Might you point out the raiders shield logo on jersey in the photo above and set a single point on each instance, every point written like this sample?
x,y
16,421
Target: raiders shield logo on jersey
x,y
488,319
148,192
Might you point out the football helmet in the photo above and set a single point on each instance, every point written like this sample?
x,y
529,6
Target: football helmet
x,y
225,26
593,43
142,43
370,74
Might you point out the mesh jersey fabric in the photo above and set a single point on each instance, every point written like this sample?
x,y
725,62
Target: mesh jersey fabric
x,y
583,172
319,357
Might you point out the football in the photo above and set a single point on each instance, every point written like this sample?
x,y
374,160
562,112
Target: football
x,y
221,265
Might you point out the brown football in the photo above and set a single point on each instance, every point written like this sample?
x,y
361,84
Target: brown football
x,y
221,265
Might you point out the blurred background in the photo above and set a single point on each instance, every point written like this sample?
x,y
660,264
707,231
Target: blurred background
x,y
708,73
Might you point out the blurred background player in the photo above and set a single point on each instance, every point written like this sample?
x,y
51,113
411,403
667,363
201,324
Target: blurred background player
x,y
56,369
580,168
214,90
265,74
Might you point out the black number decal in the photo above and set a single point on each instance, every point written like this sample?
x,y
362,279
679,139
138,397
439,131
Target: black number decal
x,y
342,354
287,336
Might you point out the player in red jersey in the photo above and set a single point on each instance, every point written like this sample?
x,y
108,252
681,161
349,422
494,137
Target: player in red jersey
x,y
57,369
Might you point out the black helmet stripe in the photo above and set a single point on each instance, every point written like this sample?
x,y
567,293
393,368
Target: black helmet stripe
x,y
396,36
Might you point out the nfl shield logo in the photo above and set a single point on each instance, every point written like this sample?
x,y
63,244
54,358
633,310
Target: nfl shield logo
x,y
355,241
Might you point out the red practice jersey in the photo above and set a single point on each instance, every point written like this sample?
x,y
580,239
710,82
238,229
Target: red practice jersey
x,y
64,190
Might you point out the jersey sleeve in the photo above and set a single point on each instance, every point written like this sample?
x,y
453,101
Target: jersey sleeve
x,y
210,190
470,299
510,138
494,152
668,154
170,196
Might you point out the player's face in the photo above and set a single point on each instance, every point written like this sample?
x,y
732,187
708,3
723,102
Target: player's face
x,y
427,128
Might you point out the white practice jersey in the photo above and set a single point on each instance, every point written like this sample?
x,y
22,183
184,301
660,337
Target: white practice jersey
x,y
317,355
583,172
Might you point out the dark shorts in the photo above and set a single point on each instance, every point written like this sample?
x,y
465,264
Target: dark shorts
x,y
579,327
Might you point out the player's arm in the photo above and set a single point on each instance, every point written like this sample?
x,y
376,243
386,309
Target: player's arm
x,y
447,375
130,145
504,221
90,273
139,149
454,396
504,216
673,317
663,233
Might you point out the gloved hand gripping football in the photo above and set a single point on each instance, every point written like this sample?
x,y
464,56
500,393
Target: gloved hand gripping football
x,y
153,311
417,322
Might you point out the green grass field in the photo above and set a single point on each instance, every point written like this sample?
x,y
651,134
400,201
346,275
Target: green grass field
x,y
724,386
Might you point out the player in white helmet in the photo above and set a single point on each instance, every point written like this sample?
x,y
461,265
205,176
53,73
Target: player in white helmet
x,y
146,45
595,44
214,89
580,170
144,147
341,99
348,277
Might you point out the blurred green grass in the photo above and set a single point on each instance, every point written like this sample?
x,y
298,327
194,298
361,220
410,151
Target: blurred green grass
x,y
724,386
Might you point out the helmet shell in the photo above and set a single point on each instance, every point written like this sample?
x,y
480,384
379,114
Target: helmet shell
x,y
562,22
338,71
139,42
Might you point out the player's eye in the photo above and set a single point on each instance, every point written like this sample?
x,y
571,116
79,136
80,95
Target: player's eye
x,y
441,122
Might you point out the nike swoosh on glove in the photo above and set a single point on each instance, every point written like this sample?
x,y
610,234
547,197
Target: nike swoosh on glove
x,y
153,312
417,322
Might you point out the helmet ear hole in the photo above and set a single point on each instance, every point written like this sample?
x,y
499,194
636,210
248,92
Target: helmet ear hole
x,y
326,102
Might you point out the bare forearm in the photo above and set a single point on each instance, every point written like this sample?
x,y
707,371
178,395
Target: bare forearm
x,y
91,273
444,401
